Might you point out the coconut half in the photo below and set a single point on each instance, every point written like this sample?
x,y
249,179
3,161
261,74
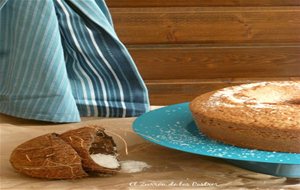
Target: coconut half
x,y
47,156
92,142
73,154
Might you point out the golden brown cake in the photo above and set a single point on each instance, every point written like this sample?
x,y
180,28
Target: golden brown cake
x,y
263,115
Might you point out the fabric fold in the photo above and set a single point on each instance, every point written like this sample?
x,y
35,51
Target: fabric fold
x,y
62,59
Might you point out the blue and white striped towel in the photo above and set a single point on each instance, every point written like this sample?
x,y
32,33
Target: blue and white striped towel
x,y
61,59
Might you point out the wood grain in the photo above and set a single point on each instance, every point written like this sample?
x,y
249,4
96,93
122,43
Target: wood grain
x,y
197,3
165,92
184,48
198,62
207,25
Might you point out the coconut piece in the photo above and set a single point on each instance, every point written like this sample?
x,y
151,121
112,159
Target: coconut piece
x,y
47,156
106,160
92,140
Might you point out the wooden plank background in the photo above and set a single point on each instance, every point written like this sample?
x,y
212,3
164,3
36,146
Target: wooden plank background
x,y
201,62
213,25
185,48
199,3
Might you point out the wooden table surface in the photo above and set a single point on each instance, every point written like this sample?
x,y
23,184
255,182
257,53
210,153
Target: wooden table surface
x,y
170,169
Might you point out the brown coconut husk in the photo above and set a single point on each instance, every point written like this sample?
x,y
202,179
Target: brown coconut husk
x,y
65,156
47,156
91,140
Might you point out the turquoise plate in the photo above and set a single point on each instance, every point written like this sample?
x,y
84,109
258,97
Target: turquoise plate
x,y
173,127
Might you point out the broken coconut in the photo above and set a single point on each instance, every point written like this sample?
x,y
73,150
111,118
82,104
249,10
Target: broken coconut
x,y
47,156
73,154
92,144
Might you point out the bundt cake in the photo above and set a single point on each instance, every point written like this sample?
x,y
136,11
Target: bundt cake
x,y
263,115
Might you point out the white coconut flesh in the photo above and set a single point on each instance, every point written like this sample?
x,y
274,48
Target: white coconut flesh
x,y
105,160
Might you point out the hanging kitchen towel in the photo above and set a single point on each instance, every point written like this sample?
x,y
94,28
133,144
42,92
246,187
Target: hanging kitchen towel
x,y
61,59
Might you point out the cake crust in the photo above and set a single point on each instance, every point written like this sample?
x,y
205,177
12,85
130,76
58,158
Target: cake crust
x,y
263,116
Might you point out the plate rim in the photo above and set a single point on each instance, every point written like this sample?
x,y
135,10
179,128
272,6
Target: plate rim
x,y
179,148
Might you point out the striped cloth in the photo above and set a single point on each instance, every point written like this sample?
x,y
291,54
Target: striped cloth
x,y
61,59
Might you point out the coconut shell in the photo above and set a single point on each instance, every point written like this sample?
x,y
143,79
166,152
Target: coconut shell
x,y
47,156
91,140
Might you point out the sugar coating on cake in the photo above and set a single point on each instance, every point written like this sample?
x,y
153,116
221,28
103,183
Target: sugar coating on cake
x,y
264,110
256,95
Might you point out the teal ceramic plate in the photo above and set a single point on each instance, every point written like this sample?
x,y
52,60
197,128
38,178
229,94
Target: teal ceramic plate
x,y
173,127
